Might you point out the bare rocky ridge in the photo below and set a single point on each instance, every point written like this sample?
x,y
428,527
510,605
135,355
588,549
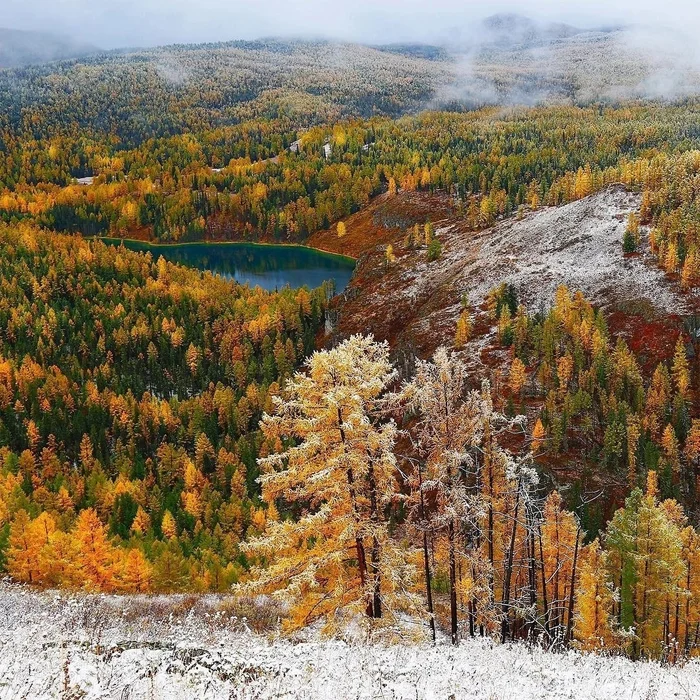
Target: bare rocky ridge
x,y
415,302
578,244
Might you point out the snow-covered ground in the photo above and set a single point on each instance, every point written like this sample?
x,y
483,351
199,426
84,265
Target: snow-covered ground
x,y
78,646
416,303
578,244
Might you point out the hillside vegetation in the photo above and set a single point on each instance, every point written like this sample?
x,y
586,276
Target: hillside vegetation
x,y
131,394
521,464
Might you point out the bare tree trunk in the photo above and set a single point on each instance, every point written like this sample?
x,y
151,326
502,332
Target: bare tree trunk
x,y
667,630
532,574
426,558
675,628
686,643
505,598
472,618
545,604
359,544
377,587
428,584
572,591
556,597
376,573
453,584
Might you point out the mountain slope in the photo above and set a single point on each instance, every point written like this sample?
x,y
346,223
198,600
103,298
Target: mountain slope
x,y
513,59
416,303
508,29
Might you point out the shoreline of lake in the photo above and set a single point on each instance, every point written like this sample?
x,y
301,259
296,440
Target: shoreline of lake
x,y
160,244
271,266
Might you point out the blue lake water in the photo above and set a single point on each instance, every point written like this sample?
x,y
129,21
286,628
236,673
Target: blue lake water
x,y
268,266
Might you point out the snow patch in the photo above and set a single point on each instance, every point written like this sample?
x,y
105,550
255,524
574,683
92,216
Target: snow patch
x,y
578,244
91,646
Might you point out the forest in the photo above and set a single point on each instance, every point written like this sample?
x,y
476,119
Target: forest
x,y
268,180
166,430
511,561
131,394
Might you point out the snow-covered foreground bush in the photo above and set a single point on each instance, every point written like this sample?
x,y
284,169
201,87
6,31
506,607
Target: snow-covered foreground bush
x,y
76,646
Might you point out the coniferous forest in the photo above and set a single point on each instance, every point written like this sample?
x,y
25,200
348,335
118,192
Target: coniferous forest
x,y
535,477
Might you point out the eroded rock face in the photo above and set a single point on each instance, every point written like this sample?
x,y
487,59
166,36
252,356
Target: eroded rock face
x,y
417,302
578,244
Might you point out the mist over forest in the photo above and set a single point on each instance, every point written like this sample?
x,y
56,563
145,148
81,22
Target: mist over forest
x,y
503,58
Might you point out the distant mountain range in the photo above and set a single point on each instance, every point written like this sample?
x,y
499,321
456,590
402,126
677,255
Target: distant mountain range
x,y
503,59
21,48
508,29
512,59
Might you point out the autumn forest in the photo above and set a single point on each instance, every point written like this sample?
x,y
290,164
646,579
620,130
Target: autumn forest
x,y
535,477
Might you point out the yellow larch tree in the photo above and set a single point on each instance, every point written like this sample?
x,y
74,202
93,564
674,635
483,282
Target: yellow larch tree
x,y
97,556
634,433
27,539
168,525
593,625
680,369
658,399
538,435
690,273
644,561
60,565
141,522
671,456
428,232
337,558
464,329
135,572
193,357
560,534
517,376
686,605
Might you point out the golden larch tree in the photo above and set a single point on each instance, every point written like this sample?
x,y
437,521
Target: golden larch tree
x,y
593,625
97,556
337,557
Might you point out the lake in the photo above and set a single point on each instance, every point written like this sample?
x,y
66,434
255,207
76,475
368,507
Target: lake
x,y
268,266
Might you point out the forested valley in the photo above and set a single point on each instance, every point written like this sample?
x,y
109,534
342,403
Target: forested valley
x,y
167,430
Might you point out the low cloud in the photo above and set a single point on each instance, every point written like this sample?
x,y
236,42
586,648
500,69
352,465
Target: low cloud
x,y
654,56
118,23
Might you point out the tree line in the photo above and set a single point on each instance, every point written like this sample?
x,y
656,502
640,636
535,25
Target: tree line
x,y
457,529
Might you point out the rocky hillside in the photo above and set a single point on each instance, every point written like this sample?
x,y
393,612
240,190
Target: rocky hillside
x,y
416,303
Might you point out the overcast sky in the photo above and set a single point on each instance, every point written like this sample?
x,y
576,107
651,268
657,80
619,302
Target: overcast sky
x,y
116,23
